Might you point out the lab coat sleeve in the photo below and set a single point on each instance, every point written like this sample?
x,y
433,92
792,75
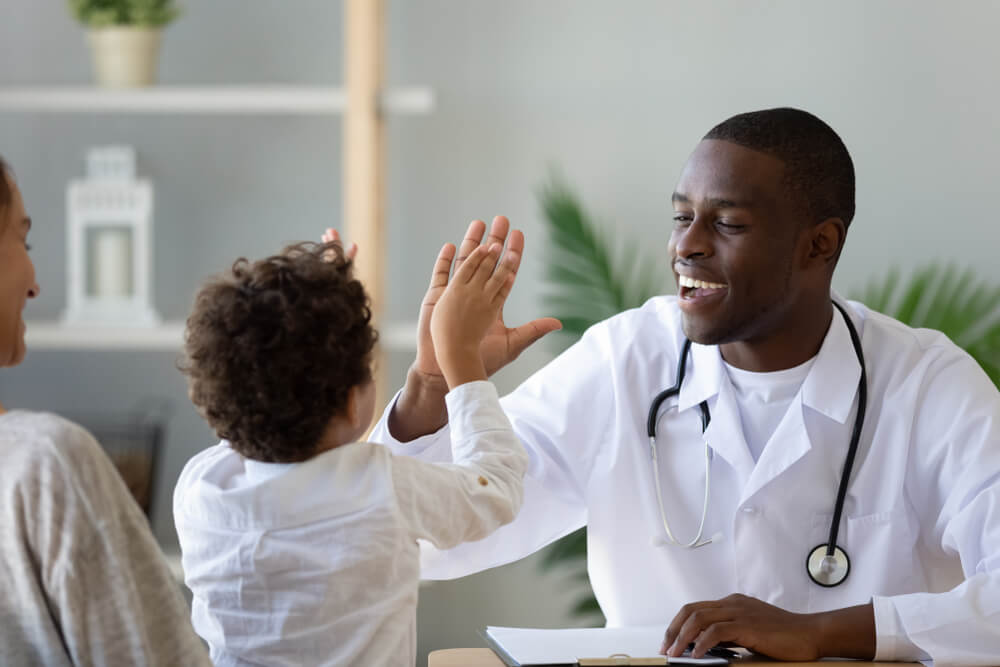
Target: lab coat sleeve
x,y
953,479
449,503
560,415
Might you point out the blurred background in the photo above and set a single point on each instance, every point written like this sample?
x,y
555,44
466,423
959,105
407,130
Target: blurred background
x,y
612,95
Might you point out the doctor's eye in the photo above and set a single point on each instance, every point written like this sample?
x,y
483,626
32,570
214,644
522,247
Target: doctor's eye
x,y
682,219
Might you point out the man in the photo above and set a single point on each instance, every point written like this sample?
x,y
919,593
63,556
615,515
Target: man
x,y
762,210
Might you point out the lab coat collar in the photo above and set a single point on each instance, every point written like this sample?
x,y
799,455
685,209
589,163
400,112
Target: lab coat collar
x,y
829,388
705,379
703,376
832,383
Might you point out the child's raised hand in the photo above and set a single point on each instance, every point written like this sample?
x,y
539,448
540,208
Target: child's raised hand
x,y
468,308
331,235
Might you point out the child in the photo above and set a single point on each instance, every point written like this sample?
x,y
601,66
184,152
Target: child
x,y
299,542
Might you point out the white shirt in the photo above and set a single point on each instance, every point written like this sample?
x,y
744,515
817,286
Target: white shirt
x,y
763,400
921,520
316,563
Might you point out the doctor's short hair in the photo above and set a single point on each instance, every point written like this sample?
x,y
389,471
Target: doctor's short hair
x,y
817,165
272,349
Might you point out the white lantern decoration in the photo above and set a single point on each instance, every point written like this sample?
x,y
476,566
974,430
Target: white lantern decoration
x,y
109,234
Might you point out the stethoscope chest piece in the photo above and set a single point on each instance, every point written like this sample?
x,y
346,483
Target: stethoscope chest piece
x,y
828,570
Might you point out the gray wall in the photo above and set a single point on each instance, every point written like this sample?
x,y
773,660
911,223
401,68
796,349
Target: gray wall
x,y
614,93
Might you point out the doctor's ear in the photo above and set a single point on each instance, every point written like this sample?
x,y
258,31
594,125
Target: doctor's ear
x,y
826,240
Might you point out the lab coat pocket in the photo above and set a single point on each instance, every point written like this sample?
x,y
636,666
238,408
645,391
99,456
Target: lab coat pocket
x,y
881,550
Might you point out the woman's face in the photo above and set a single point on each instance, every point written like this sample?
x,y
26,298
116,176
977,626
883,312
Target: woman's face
x,y
17,276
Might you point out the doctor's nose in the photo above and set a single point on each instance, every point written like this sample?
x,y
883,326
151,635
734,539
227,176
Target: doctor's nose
x,y
693,239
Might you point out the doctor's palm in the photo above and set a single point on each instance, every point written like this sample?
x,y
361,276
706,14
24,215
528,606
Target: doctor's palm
x,y
501,344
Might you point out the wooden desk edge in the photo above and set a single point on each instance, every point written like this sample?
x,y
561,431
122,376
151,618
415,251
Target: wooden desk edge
x,y
484,657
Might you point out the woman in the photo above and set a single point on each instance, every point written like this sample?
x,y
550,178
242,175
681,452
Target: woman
x,y
83,581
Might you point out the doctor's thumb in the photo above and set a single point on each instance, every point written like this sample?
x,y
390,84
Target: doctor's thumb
x,y
521,338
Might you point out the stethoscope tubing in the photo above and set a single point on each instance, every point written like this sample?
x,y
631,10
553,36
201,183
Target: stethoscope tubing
x,y
832,550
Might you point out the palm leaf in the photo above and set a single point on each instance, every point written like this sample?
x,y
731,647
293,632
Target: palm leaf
x,y
591,280
955,302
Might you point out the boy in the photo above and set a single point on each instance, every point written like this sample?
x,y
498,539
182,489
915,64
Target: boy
x,y
299,542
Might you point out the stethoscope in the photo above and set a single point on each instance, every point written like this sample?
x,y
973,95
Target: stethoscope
x,y
827,564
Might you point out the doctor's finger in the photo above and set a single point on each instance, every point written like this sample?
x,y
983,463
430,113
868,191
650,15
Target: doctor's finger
x,y
442,268
715,634
473,239
682,615
695,623
499,230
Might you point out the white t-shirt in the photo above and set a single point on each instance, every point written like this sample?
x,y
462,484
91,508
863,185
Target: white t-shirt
x,y
317,563
764,399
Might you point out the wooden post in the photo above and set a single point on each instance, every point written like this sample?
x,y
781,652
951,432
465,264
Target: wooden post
x,y
363,168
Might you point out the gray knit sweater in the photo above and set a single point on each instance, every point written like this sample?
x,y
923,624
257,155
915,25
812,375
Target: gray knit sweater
x,y
82,581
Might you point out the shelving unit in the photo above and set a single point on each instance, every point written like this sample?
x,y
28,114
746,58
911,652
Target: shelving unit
x,y
168,336
363,102
244,100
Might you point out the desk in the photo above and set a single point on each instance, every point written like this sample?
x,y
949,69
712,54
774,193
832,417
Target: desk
x,y
484,657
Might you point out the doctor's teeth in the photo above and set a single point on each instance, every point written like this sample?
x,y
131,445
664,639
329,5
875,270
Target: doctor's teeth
x,y
690,282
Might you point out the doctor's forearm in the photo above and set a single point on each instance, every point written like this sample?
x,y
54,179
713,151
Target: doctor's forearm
x,y
847,633
420,409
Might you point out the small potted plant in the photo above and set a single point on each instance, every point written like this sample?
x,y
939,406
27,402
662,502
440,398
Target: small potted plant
x,y
124,37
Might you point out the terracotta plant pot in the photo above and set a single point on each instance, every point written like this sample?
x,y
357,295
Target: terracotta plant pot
x,y
125,56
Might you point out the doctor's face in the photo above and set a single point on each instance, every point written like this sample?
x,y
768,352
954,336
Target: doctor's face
x,y
17,275
733,245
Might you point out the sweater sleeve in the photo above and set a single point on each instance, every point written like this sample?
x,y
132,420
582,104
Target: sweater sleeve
x,y
107,584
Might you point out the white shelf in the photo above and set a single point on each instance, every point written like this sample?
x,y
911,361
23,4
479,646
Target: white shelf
x,y
302,100
167,336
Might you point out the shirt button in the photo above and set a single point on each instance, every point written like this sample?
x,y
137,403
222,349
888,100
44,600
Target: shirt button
x,y
750,510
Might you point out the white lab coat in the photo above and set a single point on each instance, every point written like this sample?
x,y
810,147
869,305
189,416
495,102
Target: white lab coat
x,y
921,522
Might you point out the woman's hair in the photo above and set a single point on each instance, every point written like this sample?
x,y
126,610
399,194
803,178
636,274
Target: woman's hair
x,y
273,348
5,192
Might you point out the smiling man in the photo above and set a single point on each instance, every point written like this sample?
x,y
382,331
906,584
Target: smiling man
x,y
846,467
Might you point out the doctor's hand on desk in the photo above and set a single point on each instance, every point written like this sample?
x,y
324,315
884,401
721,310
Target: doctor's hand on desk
x,y
421,408
766,629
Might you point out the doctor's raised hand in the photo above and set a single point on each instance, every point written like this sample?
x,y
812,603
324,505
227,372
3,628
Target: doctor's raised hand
x,y
421,408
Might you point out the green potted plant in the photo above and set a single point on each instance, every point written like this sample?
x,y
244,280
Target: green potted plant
x,y
124,37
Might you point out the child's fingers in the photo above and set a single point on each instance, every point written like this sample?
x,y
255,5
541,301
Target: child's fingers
x,y
505,287
467,270
488,266
506,267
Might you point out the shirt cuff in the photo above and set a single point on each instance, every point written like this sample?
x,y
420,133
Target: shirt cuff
x,y
474,407
380,434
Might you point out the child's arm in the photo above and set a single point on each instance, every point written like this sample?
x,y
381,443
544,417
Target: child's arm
x,y
483,488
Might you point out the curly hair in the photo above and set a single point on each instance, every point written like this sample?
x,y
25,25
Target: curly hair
x,y
273,348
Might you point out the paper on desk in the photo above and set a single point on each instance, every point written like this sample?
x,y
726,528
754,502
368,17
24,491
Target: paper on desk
x,y
527,646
